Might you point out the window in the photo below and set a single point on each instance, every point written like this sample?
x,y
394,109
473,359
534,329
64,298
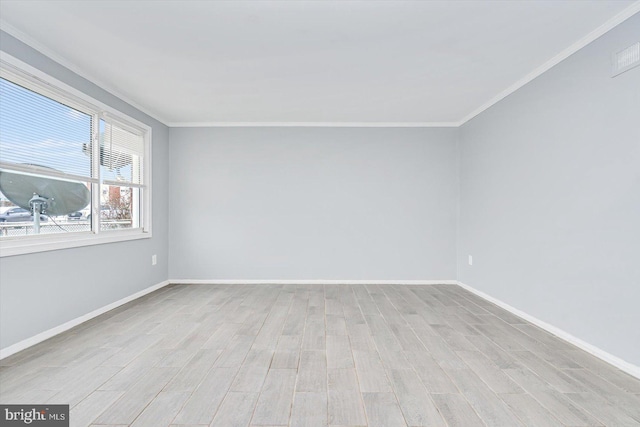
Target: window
x,y
72,170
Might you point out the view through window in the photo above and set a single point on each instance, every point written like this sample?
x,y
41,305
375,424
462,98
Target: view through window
x,y
66,167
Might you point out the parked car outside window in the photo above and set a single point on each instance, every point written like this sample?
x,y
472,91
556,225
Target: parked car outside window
x,y
19,215
75,216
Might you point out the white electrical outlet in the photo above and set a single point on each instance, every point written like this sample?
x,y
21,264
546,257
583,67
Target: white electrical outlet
x,y
470,260
154,259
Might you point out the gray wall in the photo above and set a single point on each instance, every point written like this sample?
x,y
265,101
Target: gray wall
x,y
43,290
312,203
550,198
549,207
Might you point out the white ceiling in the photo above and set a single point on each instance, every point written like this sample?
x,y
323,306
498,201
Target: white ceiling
x,y
332,62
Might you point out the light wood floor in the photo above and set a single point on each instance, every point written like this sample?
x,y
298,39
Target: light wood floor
x,y
196,355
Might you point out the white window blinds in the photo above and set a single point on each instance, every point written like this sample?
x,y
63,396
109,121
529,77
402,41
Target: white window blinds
x,y
43,136
121,154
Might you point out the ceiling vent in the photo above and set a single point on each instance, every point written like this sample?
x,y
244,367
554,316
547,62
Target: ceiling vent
x,y
626,59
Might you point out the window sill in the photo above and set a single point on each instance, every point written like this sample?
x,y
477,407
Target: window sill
x,y
65,241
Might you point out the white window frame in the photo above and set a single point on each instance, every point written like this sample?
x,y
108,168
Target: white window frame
x,y
13,69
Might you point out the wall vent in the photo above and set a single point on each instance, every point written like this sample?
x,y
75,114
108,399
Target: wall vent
x,y
626,59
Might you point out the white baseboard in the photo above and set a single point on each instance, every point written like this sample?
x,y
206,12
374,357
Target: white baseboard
x,y
19,346
589,348
309,282
621,364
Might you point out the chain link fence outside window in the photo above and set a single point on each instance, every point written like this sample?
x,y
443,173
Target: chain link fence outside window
x,y
14,229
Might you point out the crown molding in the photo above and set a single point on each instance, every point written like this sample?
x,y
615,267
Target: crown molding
x,y
317,124
593,35
51,54
625,14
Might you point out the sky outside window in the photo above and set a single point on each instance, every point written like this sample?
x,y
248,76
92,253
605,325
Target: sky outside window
x,y
37,130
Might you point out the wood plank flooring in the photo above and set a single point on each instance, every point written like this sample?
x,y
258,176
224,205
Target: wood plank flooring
x,y
318,355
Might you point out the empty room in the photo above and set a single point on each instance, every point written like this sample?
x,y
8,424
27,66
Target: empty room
x,y
320,213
